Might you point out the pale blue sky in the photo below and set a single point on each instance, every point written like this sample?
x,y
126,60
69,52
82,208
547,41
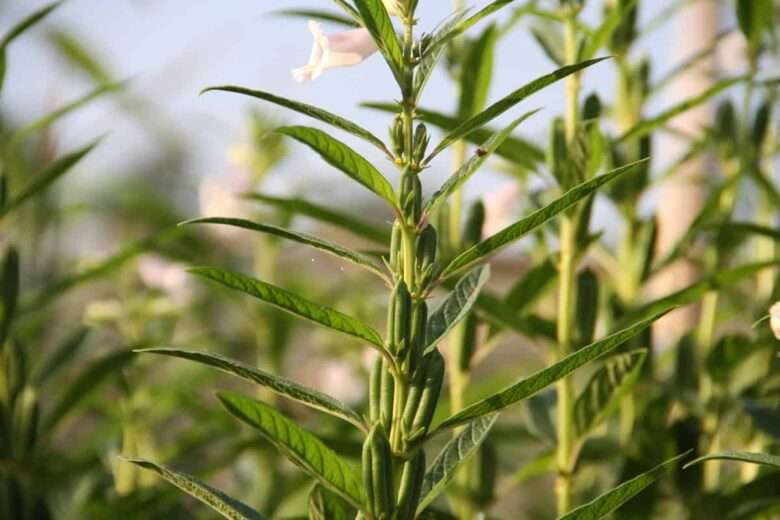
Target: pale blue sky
x,y
173,48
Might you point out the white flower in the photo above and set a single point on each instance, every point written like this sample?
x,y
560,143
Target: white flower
x,y
774,319
343,49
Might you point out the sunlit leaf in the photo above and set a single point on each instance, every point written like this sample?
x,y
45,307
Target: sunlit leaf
x,y
547,376
217,500
291,303
317,14
278,384
300,446
379,24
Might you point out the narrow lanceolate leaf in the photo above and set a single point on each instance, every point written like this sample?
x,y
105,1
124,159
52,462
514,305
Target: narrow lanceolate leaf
x,y
43,179
602,34
491,245
456,306
740,456
18,29
51,118
85,383
507,102
547,376
343,158
482,154
379,24
298,206
307,110
605,389
613,499
324,505
300,446
514,149
645,127
291,303
455,453
436,48
317,14
280,385
217,500
302,238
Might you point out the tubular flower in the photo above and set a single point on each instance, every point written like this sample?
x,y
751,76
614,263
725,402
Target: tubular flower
x,y
774,319
343,49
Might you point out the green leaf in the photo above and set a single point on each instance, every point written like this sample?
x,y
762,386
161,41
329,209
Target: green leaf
x,y
648,125
491,309
604,31
302,238
9,292
343,158
605,389
547,376
453,456
740,456
531,286
492,244
316,14
44,122
463,173
436,48
18,29
50,174
379,24
587,306
514,149
300,446
217,500
477,72
292,303
753,17
307,110
456,306
505,103
85,383
319,213
278,384
60,356
324,505
614,498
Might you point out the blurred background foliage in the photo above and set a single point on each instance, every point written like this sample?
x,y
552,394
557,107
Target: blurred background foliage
x,y
94,265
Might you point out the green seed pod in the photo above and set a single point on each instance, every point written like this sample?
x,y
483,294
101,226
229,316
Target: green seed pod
x,y
399,318
417,337
486,469
421,141
761,125
411,197
466,342
396,244
427,245
375,392
423,395
378,473
386,395
397,135
410,487
472,229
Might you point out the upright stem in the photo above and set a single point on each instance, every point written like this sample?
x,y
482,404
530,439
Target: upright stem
x,y
566,269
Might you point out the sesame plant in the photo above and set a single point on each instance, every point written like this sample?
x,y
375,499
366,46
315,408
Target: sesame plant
x,y
399,476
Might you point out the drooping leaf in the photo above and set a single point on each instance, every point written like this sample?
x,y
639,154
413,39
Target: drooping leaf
x,y
605,389
319,213
300,446
343,158
614,498
378,22
492,244
307,110
457,179
217,500
325,505
453,455
547,376
514,149
278,384
317,14
505,103
740,456
456,306
648,125
43,179
85,383
291,303
302,238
